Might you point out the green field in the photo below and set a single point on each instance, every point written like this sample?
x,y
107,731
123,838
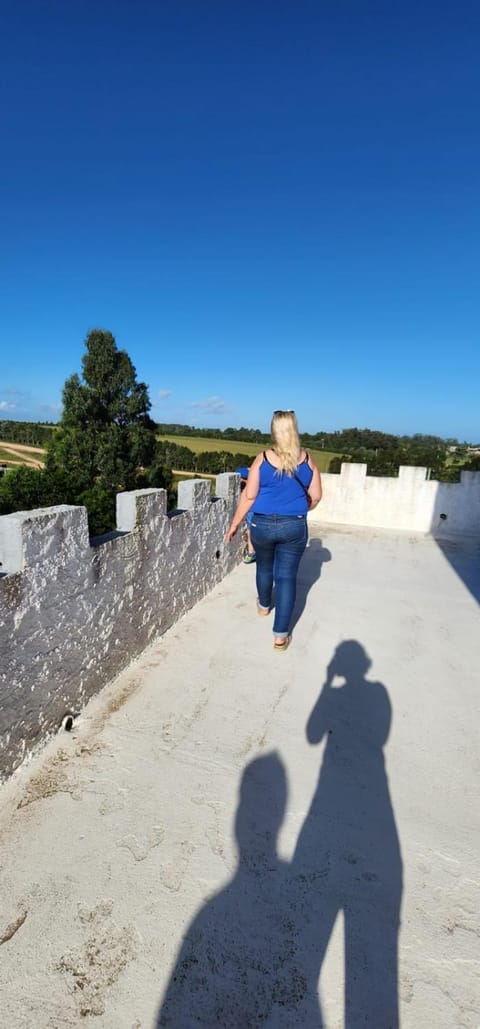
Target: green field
x,y
6,455
198,444
20,454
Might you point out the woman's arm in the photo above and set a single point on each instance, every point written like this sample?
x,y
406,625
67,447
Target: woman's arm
x,y
247,498
315,488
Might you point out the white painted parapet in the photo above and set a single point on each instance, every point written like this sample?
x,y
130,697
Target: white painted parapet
x,y
72,615
410,502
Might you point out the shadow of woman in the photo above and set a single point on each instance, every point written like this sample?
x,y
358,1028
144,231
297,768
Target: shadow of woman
x,y
237,964
348,857
310,570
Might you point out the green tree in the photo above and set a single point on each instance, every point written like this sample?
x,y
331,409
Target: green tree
x,y
100,504
105,433
473,465
21,489
159,476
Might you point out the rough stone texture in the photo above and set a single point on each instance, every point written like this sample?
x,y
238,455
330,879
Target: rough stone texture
x,y
410,502
73,615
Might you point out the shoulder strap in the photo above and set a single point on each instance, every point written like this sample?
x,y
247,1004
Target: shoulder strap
x,y
305,490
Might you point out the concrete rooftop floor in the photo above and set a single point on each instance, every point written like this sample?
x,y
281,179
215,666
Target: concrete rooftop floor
x,y
125,903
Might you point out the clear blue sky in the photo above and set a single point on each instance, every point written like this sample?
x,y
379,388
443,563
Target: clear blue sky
x,y
270,204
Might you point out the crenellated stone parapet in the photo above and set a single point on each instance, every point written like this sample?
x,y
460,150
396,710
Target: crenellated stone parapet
x,y
73,614
410,502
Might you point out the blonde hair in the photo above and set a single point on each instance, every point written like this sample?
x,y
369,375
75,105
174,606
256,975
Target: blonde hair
x,y
286,442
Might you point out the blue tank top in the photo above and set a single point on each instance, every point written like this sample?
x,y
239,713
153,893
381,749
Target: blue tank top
x,y
280,493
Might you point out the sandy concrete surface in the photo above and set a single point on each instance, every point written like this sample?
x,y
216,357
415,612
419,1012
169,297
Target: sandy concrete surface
x,y
235,837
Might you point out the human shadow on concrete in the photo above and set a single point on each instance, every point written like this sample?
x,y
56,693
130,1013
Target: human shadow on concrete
x,y
310,570
253,955
237,966
347,858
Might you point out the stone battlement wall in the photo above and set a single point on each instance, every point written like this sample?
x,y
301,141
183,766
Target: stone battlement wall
x,y
72,615
410,502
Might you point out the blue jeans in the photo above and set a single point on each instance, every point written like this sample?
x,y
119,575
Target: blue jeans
x,y
279,542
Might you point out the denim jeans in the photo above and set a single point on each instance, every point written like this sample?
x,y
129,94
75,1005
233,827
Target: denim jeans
x,y
279,542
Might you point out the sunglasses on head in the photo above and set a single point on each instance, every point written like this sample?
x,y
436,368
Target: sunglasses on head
x,y
289,411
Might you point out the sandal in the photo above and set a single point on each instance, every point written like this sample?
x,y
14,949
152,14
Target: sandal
x,y
283,643
262,611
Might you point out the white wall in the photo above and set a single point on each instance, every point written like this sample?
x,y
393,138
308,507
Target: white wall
x,y
410,502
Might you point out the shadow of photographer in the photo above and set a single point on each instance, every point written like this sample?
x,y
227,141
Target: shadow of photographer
x,y
347,857
254,953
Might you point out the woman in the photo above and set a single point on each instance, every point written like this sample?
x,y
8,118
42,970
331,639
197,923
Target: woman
x,y
283,484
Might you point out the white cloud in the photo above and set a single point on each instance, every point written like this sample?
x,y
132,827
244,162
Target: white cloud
x,y
17,399
162,394
214,405
26,404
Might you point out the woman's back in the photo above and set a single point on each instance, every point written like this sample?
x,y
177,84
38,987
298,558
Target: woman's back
x,y
280,493
283,484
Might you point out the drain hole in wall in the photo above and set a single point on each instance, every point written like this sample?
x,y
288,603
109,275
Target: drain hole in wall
x,y
443,517
217,554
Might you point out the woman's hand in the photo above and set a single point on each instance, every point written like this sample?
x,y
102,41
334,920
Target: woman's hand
x,y
246,500
230,533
